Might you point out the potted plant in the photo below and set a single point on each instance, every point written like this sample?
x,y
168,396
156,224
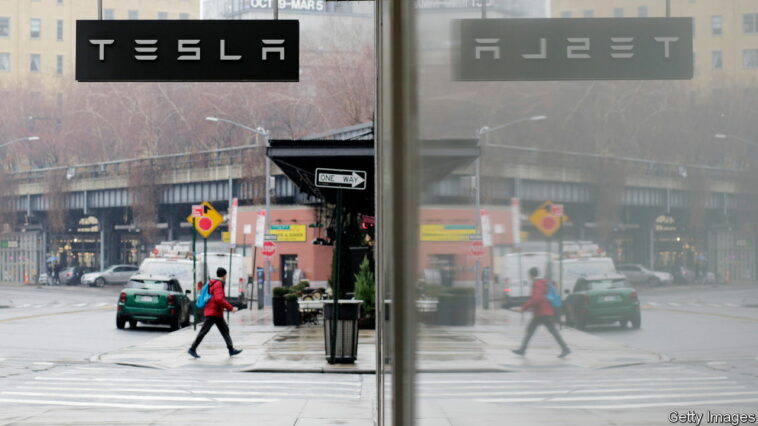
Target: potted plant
x,y
365,290
456,306
293,310
279,306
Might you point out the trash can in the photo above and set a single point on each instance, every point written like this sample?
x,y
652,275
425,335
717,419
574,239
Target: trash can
x,y
346,337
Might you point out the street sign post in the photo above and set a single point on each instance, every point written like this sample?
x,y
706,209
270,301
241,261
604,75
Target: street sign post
x,y
207,222
548,218
341,179
338,179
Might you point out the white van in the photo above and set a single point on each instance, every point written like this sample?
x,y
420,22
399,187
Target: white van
x,y
236,276
514,275
181,269
575,268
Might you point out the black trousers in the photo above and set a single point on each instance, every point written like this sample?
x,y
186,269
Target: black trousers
x,y
222,328
549,324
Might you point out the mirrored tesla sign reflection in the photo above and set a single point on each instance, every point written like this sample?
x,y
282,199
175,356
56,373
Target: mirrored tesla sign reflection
x,y
573,49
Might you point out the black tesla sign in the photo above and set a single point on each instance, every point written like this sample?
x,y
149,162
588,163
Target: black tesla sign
x,y
188,50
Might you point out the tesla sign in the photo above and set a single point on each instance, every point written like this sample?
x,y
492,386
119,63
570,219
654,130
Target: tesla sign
x,y
574,49
187,50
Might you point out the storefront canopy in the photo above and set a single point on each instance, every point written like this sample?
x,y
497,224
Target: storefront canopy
x,y
299,159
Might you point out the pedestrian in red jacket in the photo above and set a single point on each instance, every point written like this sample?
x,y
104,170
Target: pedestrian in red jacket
x,y
543,314
214,315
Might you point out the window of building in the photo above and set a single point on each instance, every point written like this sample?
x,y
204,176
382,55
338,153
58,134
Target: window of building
x,y
750,58
35,28
750,23
59,2
35,63
566,14
59,65
163,15
717,60
618,12
59,100
133,15
184,16
642,11
59,29
5,26
109,14
5,62
693,27
588,13
717,25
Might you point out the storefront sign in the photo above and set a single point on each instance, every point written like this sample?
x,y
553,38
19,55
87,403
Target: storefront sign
x,y
447,233
289,233
187,50
574,49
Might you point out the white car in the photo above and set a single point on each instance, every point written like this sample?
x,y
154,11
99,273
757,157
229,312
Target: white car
x,y
116,274
639,274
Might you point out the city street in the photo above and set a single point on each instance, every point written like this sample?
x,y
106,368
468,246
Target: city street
x,y
51,333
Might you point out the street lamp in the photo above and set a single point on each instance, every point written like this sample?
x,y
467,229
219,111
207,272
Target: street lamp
x,y
28,138
478,219
266,135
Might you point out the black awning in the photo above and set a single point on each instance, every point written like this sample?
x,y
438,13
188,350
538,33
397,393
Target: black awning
x,y
299,159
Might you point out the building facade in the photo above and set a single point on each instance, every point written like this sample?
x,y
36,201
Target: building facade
x,y
37,37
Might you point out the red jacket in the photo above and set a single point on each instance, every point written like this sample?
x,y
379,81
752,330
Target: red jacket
x,y
215,307
538,302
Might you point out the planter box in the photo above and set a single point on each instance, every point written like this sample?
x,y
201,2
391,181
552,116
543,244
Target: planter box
x,y
293,313
279,308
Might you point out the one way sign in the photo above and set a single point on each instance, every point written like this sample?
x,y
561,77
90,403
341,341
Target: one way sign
x,y
341,179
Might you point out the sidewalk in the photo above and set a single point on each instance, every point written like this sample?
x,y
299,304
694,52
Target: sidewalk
x,y
485,347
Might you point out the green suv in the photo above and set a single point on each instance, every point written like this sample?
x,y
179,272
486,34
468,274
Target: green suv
x,y
153,300
602,300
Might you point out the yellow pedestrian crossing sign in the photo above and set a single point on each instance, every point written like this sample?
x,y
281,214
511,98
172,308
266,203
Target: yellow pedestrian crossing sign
x,y
205,219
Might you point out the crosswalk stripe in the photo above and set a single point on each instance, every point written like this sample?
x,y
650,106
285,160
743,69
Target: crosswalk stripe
x,y
649,396
80,305
109,396
103,404
673,304
593,381
686,403
427,394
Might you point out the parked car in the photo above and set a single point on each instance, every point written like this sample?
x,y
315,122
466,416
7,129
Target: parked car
x,y
116,274
73,275
602,300
153,300
638,274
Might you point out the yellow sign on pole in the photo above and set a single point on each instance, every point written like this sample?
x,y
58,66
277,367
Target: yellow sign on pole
x,y
205,221
446,233
548,218
289,233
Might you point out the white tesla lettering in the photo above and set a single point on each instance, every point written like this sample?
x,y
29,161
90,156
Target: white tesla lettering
x,y
101,43
584,46
666,44
278,50
150,49
626,47
224,56
576,48
481,49
541,55
183,48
